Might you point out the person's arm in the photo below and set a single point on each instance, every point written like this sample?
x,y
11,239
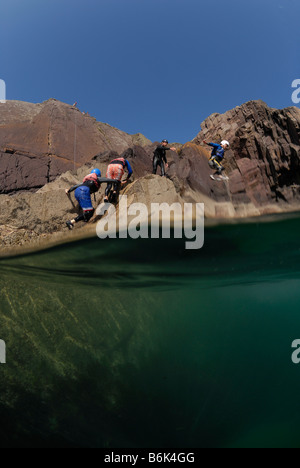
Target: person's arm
x,y
72,189
170,149
165,148
104,180
214,145
129,168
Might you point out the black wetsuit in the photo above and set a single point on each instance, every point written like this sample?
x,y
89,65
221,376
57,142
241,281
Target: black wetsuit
x,y
160,159
92,185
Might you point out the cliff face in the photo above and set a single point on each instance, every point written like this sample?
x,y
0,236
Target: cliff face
x,y
37,147
264,161
39,142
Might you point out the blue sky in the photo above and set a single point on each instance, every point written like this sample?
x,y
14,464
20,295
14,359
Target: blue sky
x,y
158,67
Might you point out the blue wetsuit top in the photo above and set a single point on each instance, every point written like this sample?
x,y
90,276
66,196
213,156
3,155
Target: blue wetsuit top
x,y
217,150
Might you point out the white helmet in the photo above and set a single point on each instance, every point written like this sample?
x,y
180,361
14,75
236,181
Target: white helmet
x,y
225,142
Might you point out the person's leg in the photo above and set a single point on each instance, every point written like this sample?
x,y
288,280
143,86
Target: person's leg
x,y
88,214
107,192
214,164
219,166
83,196
211,163
163,170
116,187
110,174
85,216
113,197
155,165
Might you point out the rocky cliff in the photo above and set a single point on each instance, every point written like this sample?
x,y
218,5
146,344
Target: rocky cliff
x,y
264,161
39,142
37,155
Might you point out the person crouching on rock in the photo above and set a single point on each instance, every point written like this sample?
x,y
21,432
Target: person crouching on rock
x,y
160,158
217,155
91,184
115,171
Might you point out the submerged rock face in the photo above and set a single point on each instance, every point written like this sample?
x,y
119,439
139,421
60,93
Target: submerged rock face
x,y
39,142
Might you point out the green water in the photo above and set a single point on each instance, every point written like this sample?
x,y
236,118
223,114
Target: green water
x,y
140,343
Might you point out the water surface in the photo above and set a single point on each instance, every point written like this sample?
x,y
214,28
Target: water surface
x,y
140,343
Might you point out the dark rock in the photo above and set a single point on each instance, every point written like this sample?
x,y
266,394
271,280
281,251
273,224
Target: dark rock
x,y
38,142
37,146
264,160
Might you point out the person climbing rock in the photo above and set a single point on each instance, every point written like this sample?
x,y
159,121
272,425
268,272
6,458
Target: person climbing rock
x,y
115,172
217,156
91,184
160,157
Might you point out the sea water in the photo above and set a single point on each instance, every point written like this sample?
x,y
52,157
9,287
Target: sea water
x,y
141,343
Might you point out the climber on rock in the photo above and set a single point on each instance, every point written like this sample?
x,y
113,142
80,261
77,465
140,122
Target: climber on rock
x,y
160,158
217,156
91,184
115,172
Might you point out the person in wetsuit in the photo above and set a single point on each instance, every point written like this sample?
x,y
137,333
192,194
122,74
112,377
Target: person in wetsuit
x,y
115,172
160,157
91,184
217,155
